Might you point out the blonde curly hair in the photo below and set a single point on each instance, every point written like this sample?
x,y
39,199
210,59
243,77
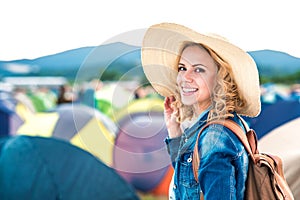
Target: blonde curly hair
x,y
225,97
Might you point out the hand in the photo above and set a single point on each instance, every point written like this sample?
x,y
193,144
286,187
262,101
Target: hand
x,y
171,113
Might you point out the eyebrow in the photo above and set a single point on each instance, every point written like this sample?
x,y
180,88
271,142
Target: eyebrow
x,y
195,65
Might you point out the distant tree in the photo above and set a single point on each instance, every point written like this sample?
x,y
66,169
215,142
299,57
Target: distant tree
x,y
286,79
110,75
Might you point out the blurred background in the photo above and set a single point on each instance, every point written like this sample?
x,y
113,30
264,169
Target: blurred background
x,y
73,111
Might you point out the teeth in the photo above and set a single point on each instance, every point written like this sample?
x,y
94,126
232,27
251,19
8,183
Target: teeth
x,y
189,89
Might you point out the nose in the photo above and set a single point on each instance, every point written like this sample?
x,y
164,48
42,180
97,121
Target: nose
x,y
187,76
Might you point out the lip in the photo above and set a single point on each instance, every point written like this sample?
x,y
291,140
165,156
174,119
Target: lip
x,y
187,91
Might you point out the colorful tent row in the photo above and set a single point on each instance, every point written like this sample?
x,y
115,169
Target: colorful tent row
x,y
94,132
133,145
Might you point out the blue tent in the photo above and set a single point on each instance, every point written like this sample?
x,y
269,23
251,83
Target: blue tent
x,y
48,168
274,115
10,121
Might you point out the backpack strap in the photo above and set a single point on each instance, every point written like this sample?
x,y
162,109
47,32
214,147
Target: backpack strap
x,y
250,143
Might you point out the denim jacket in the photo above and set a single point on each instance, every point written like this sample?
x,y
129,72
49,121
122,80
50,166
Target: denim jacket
x,y
223,163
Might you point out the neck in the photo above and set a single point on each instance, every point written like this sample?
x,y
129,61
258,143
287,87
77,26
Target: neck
x,y
200,108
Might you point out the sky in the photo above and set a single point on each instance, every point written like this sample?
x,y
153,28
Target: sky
x,y
35,28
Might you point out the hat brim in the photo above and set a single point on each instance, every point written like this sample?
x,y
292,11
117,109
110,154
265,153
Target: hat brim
x,y
160,49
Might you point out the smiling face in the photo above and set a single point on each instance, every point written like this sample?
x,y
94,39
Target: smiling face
x,y
196,77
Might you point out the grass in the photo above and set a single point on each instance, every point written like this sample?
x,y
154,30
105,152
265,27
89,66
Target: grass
x,y
152,197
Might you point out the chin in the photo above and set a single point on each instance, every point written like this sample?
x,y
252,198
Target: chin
x,y
188,103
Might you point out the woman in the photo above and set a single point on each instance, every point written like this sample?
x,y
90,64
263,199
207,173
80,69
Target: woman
x,y
203,78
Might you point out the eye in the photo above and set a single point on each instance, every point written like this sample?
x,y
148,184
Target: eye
x,y
199,70
181,68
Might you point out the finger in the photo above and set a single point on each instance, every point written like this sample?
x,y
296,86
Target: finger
x,y
167,102
172,99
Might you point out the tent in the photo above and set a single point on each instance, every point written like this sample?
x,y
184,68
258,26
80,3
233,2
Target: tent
x,y
10,121
43,99
104,106
81,125
284,142
274,115
143,105
140,155
34,167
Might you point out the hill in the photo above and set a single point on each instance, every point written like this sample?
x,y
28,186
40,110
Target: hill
x,y
82,63
272,63
119,58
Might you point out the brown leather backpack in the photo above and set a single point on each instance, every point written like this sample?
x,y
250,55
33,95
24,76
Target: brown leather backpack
x,y
265,180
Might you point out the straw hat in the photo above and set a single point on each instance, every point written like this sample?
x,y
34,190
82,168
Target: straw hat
x,y
161,46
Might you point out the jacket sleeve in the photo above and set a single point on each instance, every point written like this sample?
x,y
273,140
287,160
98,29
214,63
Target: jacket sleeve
x,y
172,147
218,169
